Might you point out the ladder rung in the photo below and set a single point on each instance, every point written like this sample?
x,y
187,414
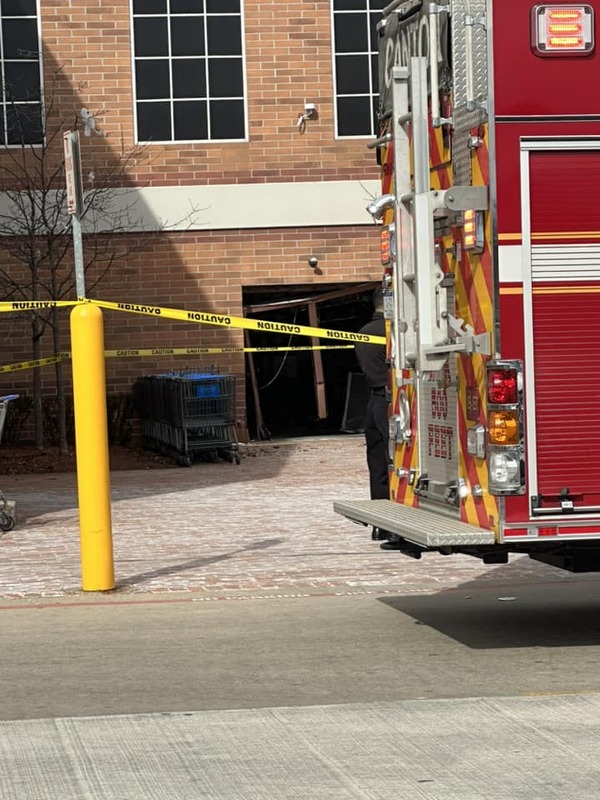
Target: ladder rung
x,y
404,118
407,198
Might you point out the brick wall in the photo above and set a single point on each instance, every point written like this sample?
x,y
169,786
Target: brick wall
x,y
288,60
201,271
87,62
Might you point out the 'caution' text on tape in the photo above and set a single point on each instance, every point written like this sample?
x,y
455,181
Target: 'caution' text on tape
x,y
228,321
202,317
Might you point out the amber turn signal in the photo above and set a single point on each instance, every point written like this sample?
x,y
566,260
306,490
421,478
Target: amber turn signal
x,y
503,427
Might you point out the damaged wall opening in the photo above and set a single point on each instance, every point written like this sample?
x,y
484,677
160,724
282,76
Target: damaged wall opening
x,y
305,392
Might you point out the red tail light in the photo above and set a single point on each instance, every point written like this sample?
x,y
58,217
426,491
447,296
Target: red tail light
x,y
505,439
503,386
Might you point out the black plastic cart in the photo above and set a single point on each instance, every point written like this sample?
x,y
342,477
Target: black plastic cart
x,y
189,414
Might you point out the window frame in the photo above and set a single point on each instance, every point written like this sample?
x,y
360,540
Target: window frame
x,y
4,103
370,55
205,60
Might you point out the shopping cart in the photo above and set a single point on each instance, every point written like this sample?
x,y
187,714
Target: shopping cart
x,y
188,413
7,508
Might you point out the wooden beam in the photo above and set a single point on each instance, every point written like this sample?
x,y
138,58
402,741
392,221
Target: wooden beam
x,y
262,432
313,318
334,294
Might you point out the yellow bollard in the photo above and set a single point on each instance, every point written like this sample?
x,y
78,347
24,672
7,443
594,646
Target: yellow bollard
x,y
91,441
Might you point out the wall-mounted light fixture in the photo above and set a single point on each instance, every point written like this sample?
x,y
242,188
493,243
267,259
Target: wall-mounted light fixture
x,y
310,112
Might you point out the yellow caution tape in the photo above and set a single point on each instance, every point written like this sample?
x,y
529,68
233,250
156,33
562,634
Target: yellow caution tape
x,y
202,317
40,362
170,351
199,351
307,347
228,321
30,305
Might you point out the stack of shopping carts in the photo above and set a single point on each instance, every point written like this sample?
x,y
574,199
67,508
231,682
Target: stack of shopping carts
x,y
185,414
7,507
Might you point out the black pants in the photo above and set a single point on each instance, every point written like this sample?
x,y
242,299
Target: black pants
x,y
377,434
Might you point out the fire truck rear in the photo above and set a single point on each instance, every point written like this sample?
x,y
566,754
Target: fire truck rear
x,y
489,149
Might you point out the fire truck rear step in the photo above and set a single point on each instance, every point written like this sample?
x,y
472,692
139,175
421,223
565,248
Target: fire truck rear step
x,y
424,528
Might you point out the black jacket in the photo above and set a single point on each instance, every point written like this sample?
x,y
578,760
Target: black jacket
x,y
371,357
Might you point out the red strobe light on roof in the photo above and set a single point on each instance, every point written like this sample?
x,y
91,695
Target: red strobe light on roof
x,y
562,30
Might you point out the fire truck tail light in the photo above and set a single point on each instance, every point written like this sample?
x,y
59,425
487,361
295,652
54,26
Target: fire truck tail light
x,y
506,472
506,448
562,30
504,428
503,387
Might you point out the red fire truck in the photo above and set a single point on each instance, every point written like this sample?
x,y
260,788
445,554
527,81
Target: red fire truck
x,y
489,149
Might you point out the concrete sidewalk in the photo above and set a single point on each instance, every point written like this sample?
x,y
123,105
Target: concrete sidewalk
x,y
264,526
476,749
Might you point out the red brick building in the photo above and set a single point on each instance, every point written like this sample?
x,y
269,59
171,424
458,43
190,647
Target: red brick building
x,y
229,191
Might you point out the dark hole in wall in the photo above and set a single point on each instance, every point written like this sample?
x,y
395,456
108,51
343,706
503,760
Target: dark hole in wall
x,y
285,380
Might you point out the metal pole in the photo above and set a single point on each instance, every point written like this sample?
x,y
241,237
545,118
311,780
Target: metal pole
x,y
78,254
75,203
91,441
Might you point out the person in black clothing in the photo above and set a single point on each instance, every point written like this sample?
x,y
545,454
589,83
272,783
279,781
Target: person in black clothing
x,y
372,360
373,363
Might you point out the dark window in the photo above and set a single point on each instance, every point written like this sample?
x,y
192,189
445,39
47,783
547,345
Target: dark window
x,y
151,36
152,78
225,77
22,81
355,42
189,70
149,7
223,6
189,77
352,74
24,123
190,119
352,111
226,119
17,8
348,5
19,38
187,6
20,84
187,36
351,33
154,121
224,36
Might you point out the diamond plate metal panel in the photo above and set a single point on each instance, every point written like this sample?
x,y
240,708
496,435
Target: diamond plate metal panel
x,y
464,120
422,527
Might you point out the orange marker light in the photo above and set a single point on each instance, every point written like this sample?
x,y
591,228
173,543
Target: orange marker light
x,y
385,243
503,427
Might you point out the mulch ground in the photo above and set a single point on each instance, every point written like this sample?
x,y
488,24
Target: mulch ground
x,y
29,461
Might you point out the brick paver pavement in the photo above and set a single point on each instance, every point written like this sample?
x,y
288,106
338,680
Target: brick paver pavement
x,y
259,528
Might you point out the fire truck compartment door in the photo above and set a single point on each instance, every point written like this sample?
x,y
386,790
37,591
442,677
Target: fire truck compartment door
x,y
425,528
561,306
